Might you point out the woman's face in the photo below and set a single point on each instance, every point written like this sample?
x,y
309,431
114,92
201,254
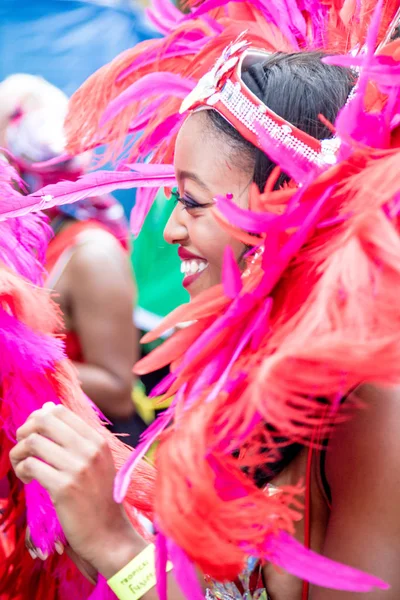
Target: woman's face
x,y
205,167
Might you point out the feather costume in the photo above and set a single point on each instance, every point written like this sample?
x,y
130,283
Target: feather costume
x,y
315,313
34,370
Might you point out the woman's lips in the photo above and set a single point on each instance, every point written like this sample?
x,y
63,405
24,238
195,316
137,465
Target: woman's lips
x,y
189,279
184,254
192,266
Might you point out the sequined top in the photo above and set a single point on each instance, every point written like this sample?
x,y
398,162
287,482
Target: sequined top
x,y
249,585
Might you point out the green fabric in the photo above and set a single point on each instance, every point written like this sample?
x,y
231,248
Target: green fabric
x,y
156,264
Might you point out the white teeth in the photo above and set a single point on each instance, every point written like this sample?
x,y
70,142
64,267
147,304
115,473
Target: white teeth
x,y
191,267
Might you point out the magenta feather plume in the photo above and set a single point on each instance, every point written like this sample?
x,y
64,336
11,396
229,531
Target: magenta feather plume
x,y
164,15
231,276
270,223
123,477
18,348
286,552
26,387
146,115
42,519
23,245
144,200
247,220
168,9
149,85
161,560
242,343
38,166
185,44
164,131
269,10
184,572
92,184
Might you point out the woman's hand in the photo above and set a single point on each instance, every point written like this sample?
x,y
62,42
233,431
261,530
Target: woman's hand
x,y
74,464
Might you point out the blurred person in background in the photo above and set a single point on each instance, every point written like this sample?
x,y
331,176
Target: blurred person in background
x,y
88,258
65,41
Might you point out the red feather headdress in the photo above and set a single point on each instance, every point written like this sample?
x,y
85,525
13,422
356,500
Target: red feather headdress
x,y
316,312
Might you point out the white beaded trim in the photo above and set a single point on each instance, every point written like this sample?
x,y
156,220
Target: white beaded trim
x,y
249,114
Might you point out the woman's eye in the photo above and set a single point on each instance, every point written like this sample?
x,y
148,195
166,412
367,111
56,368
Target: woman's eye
x,y
187,201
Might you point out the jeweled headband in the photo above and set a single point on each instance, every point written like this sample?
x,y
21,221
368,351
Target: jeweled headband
x,y
224,90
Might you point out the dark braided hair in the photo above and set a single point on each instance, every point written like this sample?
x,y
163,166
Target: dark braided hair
x,y
297,87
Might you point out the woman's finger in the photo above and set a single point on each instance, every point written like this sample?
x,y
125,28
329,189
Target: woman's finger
x,y
32,468
77,424
38,446
59,424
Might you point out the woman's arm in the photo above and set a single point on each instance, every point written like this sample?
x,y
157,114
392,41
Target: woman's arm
x,y
363,470
74,464
101,296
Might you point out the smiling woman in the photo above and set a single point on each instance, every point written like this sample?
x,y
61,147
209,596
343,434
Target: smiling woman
x,y
203,171
286,340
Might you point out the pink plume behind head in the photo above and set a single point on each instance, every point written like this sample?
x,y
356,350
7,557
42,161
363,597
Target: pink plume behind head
x,y
164,15
152,84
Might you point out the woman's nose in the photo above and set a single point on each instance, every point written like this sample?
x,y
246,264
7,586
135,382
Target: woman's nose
x,y
175,231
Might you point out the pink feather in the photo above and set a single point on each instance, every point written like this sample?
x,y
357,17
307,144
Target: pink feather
x,y
162,24
23,245
268,9
162,132
247,220
146,115
168,9
184,572
123,477
231,276
163,386
92,184
51,162
183,45
226,486
149,85
144,200
287,553
164,15
161,565
269,223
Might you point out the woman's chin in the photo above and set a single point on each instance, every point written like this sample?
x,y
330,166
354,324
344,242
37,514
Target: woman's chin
x,y
196,284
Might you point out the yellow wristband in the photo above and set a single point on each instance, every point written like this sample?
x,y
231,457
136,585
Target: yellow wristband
x,y
138,577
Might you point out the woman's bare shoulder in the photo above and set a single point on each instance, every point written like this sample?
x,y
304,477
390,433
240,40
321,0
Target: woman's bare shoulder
x,y
368,442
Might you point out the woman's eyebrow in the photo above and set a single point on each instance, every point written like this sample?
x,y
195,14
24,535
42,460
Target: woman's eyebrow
x,y
193,177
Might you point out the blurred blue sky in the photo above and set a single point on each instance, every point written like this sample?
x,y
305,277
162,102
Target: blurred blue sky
x,y
65,41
